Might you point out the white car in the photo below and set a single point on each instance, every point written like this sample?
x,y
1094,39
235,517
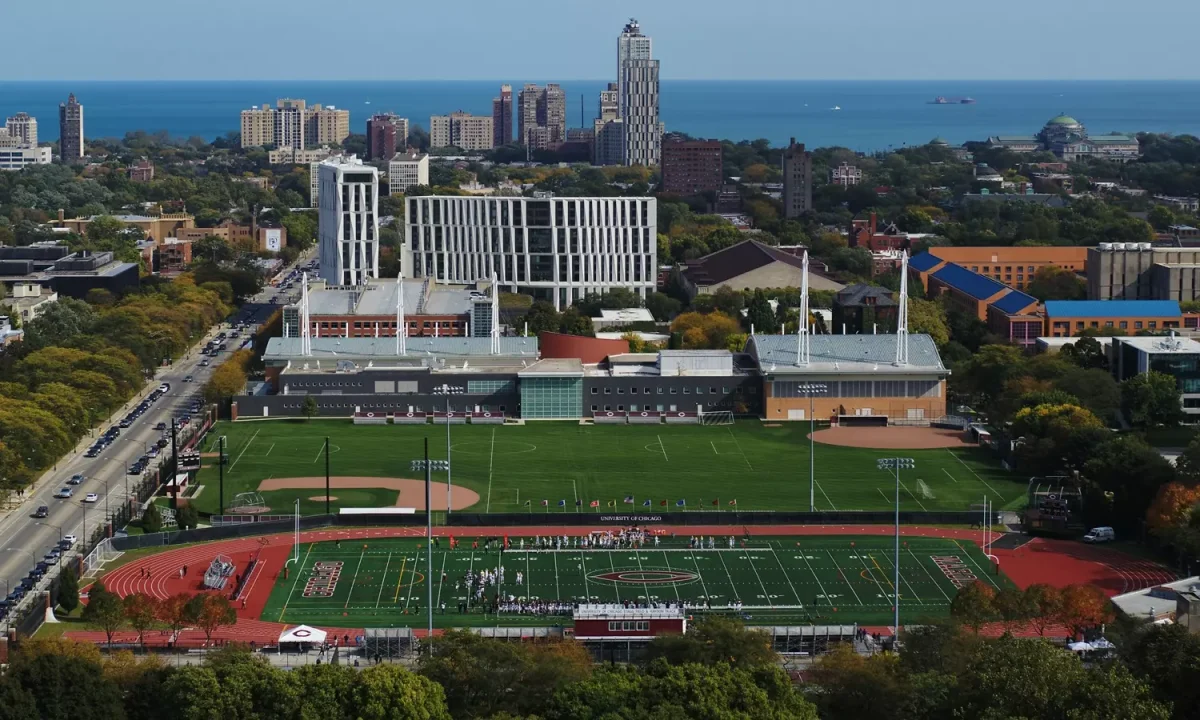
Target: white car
x,y
70,539
91,498
64,493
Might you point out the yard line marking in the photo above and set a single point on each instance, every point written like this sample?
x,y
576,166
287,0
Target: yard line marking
x,y
931,577
557,588
902,578
914,497
667,559
698,573
575,485
766,594
877,583
968,467
831,505
732,584
491,457
411,585
662,447
403,564
268,452
982,574
788,577
354,579
441,582
839,569
885,497
714,447
298,568
319,453
471,569
587,593
614,569
244,449
384,583
949,475
743,452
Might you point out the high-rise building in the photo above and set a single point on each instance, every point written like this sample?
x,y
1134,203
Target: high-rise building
x,y
406,170
691,167
541,116
326,126
348,221
797,180
527,111
294,124
290,119
70,131
502,113
552,112
387,134
258,126
637,85
607,129
24,128
461,130
556,249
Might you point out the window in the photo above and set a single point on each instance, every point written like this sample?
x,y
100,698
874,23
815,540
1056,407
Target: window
x,y
633,408
608,391
620,391
633,391
687,391
712,391
1137,324
607,408
594,407
647,390
660,391
595,391
1153,324
620,408
487,387
1108,323
674,391
1124,325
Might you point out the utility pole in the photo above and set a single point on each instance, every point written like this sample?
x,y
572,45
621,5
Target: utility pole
x,y
895,463
221,477
327,475
429,537
174,468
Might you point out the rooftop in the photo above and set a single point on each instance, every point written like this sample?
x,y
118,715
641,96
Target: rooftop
x,y
1112,308
333,348
554,367
1014,302
1155,602
1162,344
973,284
380,299
846,354
856,296
626,315
724,265
1062,120
924,261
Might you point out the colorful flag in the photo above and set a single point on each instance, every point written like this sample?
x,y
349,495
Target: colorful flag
x,y
578,502
527,503
733,502
505,542
545,503
612,503
716,502
628,500
594,503
680,503
663,503
562,503
646,504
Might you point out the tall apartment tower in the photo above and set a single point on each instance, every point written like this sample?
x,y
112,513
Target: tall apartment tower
x,y
70,131
387,134
290,118
258,126
797,180
348,221
502,113
461,130
607,129
24,128
552,112
325,126
637,85
541,116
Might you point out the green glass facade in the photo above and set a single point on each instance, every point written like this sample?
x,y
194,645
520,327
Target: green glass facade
x,y
551,398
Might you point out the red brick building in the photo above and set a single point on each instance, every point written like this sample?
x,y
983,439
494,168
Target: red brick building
x,y
691,167
381,138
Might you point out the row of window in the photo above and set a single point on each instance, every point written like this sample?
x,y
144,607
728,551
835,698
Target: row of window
x,y
858,389
752,390
487,387
628,625
396,407
1122,324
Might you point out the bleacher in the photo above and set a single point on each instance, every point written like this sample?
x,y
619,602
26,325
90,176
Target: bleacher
x,y
218,573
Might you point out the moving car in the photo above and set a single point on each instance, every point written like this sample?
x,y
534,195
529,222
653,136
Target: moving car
x,y
42,511
64,493
1099,535
164,387
76,479
91,498
187,378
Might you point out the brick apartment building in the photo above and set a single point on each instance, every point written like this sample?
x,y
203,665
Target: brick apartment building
x,y
691,167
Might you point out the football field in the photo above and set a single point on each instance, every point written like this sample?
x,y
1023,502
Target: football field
x,y
549,467
792,580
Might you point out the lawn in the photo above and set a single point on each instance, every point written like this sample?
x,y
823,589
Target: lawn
x,y
517,468
822,580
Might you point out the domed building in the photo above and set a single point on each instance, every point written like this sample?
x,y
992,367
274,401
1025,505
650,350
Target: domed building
x,y
1067,138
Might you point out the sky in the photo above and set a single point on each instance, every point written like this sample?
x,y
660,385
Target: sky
x,y
576,39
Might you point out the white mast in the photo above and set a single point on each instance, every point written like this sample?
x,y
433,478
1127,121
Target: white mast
x,y
305,337
802,335
401,323
902,314
495,332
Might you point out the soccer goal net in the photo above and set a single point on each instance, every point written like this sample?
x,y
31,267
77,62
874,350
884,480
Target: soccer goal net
x,y
716,417
924,490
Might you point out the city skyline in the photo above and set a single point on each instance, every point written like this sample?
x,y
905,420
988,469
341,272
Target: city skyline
x,y
764,40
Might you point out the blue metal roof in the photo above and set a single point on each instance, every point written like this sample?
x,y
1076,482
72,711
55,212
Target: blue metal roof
x,y
924,261
1112,308
973,284
1014,302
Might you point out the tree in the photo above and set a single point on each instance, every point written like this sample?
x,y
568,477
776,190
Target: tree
x,y
309,409
714,640
1086,352
710,330
1130,472
141,612
1151,399
974,605
64,684
389,692
173,612
1043,602
759,314
15,702
186,517
1161,217
104,610
859,686
1083,607
926,316
989,370
1167,657
1094,389
68,588
1012,606
152,521
662,306
229,378
1172,507
209,612
1187,465
1052,282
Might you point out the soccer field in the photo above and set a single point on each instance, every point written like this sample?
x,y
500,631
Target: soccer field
x,y
556,467
797,580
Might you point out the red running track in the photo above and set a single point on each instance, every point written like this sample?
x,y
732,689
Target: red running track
x,y
1055,562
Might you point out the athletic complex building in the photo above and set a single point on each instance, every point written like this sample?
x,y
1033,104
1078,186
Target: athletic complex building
x,y
846,379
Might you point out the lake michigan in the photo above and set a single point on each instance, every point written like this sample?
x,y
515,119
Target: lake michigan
x,y
865,116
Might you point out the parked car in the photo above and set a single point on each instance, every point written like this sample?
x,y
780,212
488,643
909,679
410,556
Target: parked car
x,y
68,539
165,387
1100,535
51,557
64,493
42,511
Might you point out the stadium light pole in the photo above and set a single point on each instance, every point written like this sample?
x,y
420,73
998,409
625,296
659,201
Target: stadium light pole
x,y
896,463
448,390
811,389
429,466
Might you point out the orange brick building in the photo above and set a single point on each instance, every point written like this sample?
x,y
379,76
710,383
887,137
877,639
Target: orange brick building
x,y
1013,266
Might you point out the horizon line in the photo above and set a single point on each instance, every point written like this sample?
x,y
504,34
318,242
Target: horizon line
x,y
599,80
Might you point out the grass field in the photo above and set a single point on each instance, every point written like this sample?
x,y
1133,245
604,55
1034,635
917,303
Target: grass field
x,y
382,583
762,468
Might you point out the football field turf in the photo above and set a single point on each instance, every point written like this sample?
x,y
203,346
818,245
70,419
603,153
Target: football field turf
x,y
549,467
792,580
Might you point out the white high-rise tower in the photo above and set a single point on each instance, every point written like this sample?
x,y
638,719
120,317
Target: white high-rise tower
x,y
349,221
637,85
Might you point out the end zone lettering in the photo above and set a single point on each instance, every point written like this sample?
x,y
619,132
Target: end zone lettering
x,y
631,518
955,570
324,579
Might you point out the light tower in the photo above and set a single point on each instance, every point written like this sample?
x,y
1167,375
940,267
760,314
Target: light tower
x,y
803,341
902,315
305,336
401,323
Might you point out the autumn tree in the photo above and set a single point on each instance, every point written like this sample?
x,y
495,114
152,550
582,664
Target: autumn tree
x,y
859,686
1012,606
174,613
229,378
141,612
700,331
1043,602
1083,607
209,612
104,610
926,316
974,605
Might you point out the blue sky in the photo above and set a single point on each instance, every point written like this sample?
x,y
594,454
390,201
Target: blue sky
x,y
576,39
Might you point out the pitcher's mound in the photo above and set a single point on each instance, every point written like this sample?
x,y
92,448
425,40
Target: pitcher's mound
x,y
894,438
411,492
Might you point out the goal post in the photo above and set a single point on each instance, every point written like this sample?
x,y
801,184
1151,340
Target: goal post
x,y
925,491
716,417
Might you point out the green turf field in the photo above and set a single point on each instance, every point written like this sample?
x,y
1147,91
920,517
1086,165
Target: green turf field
x,y
770,580
762,468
